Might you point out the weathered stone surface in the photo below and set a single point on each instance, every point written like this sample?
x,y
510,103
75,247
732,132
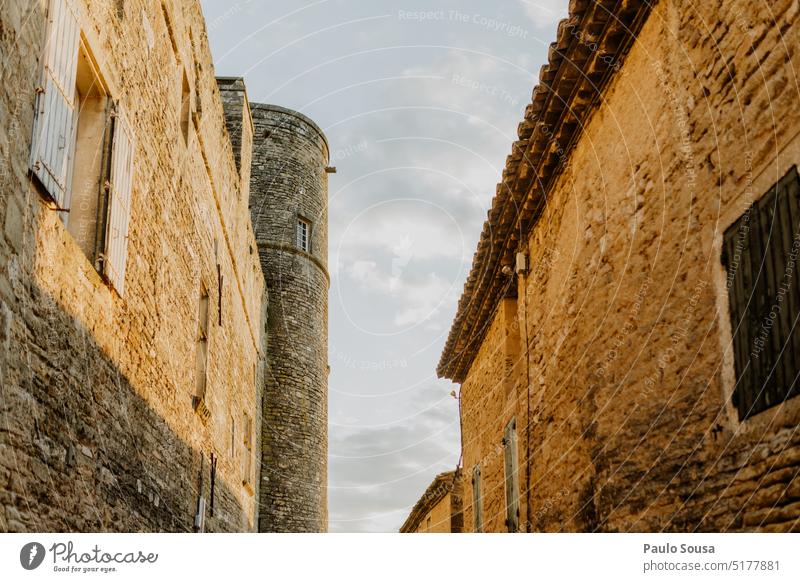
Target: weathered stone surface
x,y
623,391
288,181
98,430
439,510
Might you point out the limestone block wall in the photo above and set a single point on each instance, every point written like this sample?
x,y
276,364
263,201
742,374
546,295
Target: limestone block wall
x,y
97,429
288,182
440,509
491,397
631,371
437,519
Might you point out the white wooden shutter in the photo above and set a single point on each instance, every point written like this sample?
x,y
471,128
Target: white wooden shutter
x,y
53,133
122,151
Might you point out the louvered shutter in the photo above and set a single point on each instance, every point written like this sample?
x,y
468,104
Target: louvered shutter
x,y
122,152
53,133
477,500
761,253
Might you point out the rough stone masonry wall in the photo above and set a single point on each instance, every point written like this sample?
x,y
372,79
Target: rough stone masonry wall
x,y
490,397
97,430
630,358
439,516
635,430
288,180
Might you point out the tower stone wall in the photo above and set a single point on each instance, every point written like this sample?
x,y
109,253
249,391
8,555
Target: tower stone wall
x,y
288,184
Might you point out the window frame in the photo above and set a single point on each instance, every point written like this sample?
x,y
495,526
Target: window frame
x,y
305,237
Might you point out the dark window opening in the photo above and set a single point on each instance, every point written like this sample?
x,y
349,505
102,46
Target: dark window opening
x,y
186,99
247,462
219,294
213,483
201,354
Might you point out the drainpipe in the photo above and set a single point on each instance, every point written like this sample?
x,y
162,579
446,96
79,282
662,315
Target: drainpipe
x,y
460,426
522,276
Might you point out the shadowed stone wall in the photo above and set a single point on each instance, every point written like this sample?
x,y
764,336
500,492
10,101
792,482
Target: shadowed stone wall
x,y
97,427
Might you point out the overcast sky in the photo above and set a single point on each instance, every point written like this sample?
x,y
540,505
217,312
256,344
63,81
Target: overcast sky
x,y
420,102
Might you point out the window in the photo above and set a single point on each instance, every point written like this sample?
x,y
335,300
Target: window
x,y
760,253
170,28
83,148
213,483
88,156
186,102
247,464
219,294
477,502
201,355
428,524
304,235
512,476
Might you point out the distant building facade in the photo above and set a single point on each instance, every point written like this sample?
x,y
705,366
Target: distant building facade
x,y
627,342
133,306
439,510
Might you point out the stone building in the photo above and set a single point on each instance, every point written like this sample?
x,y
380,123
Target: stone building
x,y
439,510
289,206
627,341
133,307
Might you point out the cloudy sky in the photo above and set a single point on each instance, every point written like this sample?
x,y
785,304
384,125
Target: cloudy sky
x,y
420,101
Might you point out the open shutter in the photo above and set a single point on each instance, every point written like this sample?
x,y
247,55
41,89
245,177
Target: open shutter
x,y
119,211
477,500
53,133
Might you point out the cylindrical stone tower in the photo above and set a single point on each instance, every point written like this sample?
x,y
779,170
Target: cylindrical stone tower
x,y
289,208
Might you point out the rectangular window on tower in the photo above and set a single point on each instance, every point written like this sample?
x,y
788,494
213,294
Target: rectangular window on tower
x,y
304,235
760,253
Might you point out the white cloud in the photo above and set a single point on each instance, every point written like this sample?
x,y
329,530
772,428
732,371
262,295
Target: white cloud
x,y
416,299
545,13
406,231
